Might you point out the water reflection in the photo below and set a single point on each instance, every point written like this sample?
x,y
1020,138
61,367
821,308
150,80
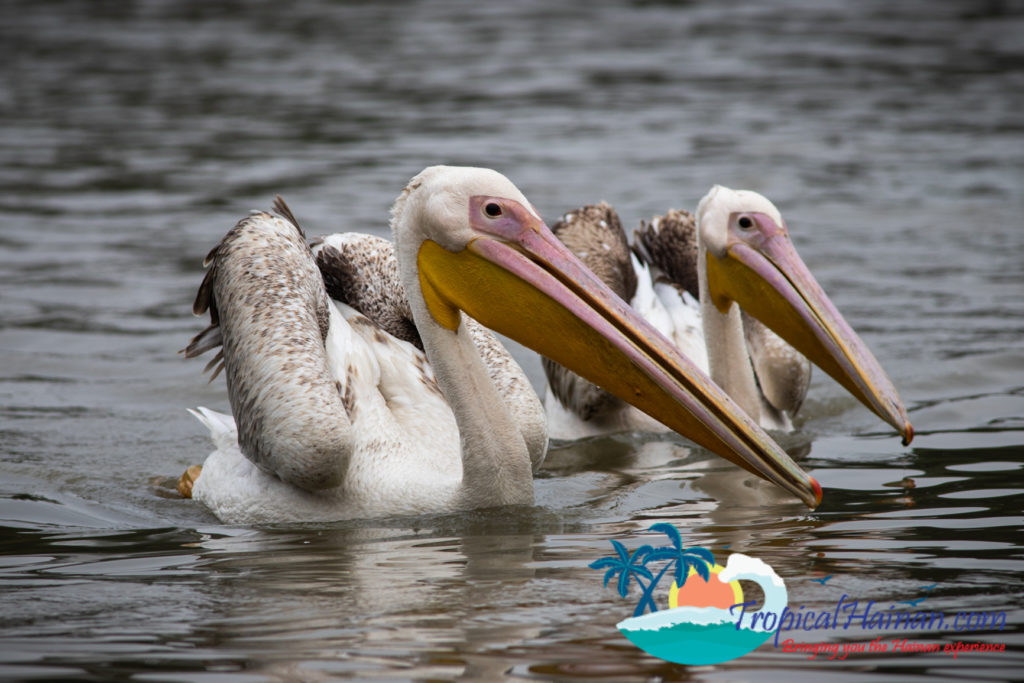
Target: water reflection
x,y
371,596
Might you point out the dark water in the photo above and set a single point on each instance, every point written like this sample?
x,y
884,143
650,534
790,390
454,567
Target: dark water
x,y
133,134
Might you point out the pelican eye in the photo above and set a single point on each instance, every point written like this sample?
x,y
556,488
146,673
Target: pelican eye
x,y
493,209
745,222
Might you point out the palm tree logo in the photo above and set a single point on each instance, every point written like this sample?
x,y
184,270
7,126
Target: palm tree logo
x,y
698,627
628,567
632,567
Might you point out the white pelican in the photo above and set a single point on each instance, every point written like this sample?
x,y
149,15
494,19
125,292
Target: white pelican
x,y
336,417
715,285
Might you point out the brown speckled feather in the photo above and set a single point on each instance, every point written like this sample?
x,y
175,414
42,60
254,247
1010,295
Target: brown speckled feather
x,y
210,338
594,234
669,243
361,271
262,277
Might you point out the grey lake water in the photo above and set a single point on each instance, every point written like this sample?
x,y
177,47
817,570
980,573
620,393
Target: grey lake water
x,y
134,134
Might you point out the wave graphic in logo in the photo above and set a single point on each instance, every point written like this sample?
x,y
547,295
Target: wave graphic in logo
x,y
694,633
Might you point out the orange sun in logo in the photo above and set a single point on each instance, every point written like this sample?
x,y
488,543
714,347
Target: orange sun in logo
x,y
696,592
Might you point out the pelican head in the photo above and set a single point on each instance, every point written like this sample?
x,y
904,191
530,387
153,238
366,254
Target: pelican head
x,y
750,260
469,241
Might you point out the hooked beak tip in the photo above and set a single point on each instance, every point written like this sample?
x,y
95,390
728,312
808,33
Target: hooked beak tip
x,y
908,434
816,487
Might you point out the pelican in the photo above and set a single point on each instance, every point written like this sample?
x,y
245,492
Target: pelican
x,y
730,291
409,406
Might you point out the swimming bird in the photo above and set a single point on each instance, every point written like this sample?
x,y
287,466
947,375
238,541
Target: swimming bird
x,y
823,580
409,406
729,289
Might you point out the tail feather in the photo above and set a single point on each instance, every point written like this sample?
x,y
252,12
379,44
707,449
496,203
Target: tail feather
x,y
222,428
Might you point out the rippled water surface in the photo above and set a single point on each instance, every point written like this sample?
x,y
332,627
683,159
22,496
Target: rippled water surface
x,y
134,134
